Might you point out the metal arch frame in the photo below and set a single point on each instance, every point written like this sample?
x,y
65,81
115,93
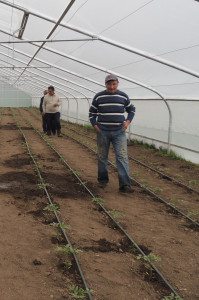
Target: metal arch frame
x,y
59,68
51,32
77,103
120,76
30,72
107,41
56,67
46,83
45,40
29,85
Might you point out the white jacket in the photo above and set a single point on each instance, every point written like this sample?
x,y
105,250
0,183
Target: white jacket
x,y
51,104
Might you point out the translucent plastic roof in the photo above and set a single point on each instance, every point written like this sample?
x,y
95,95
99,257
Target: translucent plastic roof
x,y
88,38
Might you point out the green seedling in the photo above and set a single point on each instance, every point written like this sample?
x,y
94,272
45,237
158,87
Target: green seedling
x,y
98,200
68,250
172,296
42,186
157,190
63,226
194,182
193,213
116,214
150,258
170,153
52,207
61,159
77,292
88,127
76,173
67,264
60,225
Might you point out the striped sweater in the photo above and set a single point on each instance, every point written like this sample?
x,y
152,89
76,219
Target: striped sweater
x,y
107,110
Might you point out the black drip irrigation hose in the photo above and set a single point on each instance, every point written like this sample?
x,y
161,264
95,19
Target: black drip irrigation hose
x,y
88,294
149,191
163,175
116,223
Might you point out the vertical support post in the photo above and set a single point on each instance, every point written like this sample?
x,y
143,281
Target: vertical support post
x,y
77,111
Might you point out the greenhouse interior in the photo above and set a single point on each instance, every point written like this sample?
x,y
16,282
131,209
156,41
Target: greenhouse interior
x,y
99,129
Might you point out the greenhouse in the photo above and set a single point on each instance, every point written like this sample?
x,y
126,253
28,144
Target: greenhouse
x,y
99,129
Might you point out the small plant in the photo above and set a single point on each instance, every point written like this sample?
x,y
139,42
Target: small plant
x,y
67,264
193,213
88,127
116,213
61,225
77,292
68,250
42,186
150,258
52,207
61,158
172,296
169,153
98,200
157,190
194,182
76,173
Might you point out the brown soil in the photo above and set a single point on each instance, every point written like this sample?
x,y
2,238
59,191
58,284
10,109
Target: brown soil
x,y
186,201
146,220
182,170
110,269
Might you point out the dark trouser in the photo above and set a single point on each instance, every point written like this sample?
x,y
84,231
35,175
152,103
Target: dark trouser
x,y
44,123
53,122
119,142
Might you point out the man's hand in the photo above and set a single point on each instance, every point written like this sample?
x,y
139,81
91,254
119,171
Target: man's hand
x,y
97,128
126,124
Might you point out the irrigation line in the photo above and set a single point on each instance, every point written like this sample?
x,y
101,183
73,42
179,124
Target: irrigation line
x,y
38,171
149,191
163,175
116,223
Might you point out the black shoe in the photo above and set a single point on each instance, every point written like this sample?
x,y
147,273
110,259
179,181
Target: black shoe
x,y
102,184
126,189
48,133
59,134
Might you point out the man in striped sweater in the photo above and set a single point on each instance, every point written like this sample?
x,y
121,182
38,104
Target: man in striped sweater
x,y
106,115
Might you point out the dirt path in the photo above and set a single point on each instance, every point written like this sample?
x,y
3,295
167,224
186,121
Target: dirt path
x,y
182,170
28,262
186,201
148,221
110,268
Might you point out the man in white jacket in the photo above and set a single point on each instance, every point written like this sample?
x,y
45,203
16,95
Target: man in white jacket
x,y
51,107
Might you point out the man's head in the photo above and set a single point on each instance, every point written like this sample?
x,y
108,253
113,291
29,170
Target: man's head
x,y
45,92
51,90
111,82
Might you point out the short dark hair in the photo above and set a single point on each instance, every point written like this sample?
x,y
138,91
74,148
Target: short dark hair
x,y
51,87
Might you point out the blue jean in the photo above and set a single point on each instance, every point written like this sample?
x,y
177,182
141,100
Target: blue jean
x,y
119,142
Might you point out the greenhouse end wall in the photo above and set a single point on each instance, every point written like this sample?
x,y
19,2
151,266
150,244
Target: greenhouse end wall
x,y
12,97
